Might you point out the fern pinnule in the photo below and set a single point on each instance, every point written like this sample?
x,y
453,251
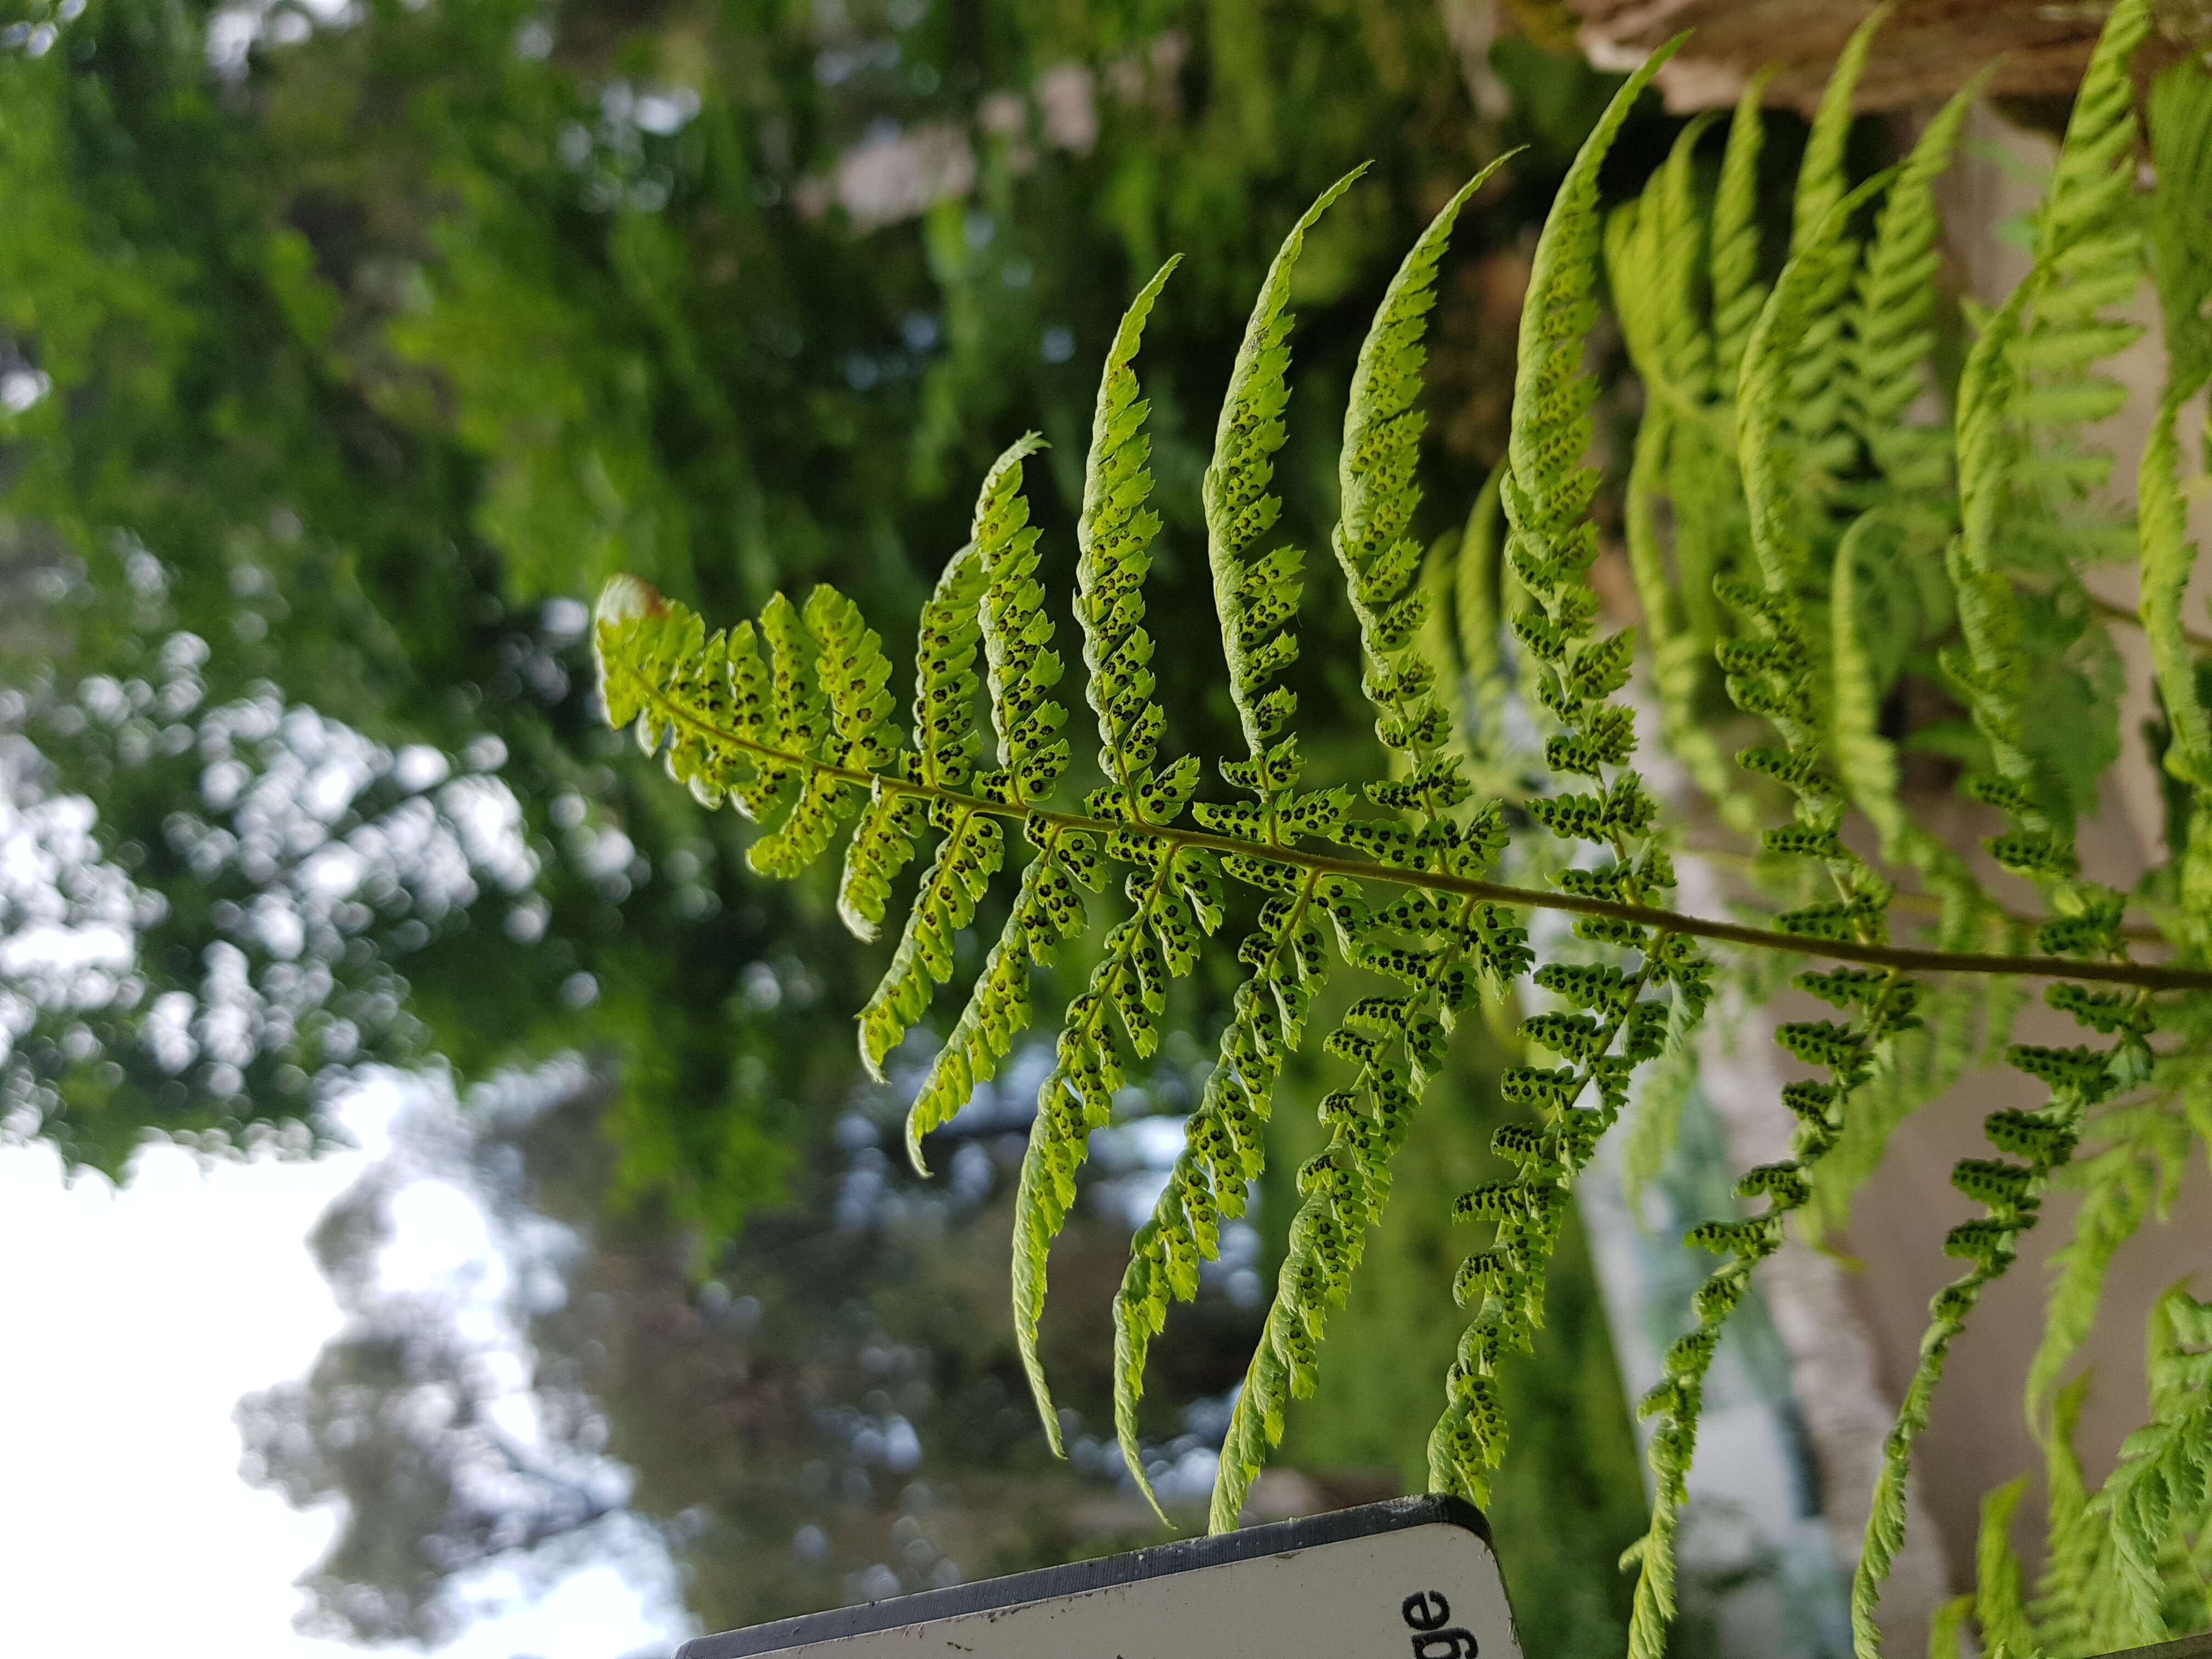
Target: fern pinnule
x,y
1893,312
1255,597
1738,293
1112,537
947,637
974,844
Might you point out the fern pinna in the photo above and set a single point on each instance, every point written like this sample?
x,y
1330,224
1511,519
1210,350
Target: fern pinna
x,y
1800,540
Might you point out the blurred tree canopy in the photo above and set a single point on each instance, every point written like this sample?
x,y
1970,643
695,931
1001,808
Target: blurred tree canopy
x,y
341,360
342,355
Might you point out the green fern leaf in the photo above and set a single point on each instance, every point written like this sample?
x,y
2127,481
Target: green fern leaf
x,y
1738,293
1253,596
1015,635
1112,537
1893,318
1381,562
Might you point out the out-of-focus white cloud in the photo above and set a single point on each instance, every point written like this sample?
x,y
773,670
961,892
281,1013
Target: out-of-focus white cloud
x,y
131,1323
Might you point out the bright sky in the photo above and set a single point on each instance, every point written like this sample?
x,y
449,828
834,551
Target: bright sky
x,y
131,1321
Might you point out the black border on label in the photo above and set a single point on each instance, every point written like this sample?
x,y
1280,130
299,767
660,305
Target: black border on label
x,y
1161,1561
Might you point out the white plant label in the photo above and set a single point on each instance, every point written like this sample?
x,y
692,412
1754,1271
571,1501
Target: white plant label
x,y
1414,1578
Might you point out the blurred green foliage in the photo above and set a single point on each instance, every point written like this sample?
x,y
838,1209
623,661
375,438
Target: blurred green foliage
x,y
370,348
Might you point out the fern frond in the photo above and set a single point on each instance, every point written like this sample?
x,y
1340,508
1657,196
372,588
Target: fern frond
x,y
1822,180
1174,888
1653,259
2089,262
2163,1486
1021,667
1771,672
2181,261
2000,1586
1947,1624
1112,539
1257,602
1824,387
1783,517
1379,559
1866,762
2133,1173
2066,1591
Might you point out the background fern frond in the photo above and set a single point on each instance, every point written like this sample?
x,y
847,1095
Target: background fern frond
x,y
2181,263
2132,1172
1822,178
1893,313
1739,294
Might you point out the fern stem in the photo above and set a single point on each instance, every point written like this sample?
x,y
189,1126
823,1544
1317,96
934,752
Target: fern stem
x,y
1905,957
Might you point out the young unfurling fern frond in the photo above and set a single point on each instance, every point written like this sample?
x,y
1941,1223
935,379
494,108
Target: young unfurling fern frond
x,y
1612,1026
